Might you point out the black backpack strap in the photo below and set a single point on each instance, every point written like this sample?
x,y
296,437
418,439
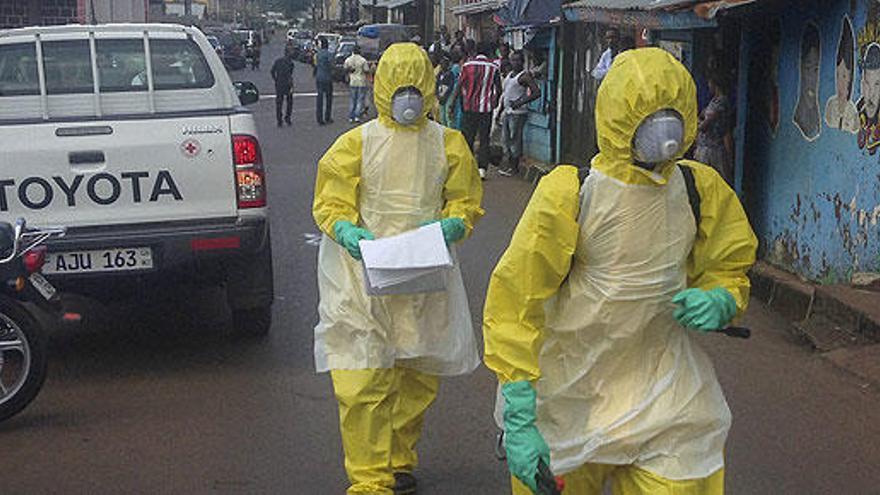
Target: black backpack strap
x,y
583,172
690,184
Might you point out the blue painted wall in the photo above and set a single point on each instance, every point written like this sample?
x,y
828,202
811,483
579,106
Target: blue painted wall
x,y
538,135
814,205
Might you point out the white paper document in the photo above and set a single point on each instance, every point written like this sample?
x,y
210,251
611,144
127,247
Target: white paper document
x,y
409,263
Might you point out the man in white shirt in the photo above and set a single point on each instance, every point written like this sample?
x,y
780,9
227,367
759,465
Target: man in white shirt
x,y
612,44
357,67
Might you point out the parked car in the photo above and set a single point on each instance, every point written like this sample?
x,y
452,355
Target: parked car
x,y
299,42
306,53
156,170
332,38
343,51
231,52
375,38
215,44
248,37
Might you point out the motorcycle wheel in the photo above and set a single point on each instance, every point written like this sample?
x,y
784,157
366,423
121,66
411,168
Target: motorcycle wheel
x,y
23,360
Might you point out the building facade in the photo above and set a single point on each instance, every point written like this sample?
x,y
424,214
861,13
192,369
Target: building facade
x,y
19,13
812,172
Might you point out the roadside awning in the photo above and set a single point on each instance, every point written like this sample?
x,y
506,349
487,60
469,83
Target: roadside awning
x,y
708,10
385,4
627,4
651,14
478,7
530,13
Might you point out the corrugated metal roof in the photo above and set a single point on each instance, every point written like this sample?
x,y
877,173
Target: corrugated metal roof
x,y
710,9
385,4
478,7
627,4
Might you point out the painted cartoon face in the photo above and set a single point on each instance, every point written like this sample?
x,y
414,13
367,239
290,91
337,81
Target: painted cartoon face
x,y
811,72
871,91
843,76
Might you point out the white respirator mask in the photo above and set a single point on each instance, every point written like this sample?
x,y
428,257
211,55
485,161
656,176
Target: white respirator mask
x,y
659,138
406,106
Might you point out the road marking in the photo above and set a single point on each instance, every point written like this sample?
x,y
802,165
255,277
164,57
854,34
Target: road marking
x,y
298,95
313,239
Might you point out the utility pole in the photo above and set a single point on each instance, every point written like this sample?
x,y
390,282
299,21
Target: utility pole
x,y
315,14
429,23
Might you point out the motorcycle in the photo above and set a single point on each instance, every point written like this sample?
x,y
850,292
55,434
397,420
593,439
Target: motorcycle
x,y
23,340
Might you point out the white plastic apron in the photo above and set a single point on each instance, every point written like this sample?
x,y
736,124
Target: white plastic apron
x,y
622,383
403,174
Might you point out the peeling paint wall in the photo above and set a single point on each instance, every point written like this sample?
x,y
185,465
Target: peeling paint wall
x,y
814,197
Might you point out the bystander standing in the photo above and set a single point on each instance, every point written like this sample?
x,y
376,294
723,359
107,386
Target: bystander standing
x,y
518,90
323,73
357,67
282,74
612,46
714,145
479,86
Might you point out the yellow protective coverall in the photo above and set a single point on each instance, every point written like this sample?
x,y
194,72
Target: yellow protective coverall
x,y
580,304
385,353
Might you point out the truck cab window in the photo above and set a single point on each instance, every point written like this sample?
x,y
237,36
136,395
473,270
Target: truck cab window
x,y
68,67
18,70
179,64
122,65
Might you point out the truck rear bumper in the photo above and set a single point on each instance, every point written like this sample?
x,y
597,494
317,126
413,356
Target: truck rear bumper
x,y
205,252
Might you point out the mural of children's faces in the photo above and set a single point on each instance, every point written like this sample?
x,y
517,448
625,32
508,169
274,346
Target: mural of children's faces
x,y
806,114
870,101
840,111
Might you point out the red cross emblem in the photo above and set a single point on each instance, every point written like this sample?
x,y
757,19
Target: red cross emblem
x,y
190,148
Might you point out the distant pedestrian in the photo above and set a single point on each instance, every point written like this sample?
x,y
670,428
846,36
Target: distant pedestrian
x,y
323,73
445,86
470,48
713,147
479,86
282,74
503,54
612,47
453,107
518,90
357,67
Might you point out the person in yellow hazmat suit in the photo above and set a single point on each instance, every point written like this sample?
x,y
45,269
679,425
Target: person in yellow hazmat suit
x,y
590,312
385,353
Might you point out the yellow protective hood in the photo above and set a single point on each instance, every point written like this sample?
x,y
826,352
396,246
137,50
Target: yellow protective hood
x,y
640,82
402,65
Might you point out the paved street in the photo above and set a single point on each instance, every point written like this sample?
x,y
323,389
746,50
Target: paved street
x,y
155,396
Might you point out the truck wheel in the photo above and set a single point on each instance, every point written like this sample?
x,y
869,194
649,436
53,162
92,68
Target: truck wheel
x,y
252,322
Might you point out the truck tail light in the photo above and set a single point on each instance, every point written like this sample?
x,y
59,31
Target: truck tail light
x,y
250,179
34,259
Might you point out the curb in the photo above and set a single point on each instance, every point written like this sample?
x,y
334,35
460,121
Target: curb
x,y
841,322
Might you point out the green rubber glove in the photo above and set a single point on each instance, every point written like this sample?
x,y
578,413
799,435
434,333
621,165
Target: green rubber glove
x,y
453,229
348,235
522,441
704,310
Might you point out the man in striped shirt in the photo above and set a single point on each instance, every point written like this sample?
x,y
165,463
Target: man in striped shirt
x,y
480,86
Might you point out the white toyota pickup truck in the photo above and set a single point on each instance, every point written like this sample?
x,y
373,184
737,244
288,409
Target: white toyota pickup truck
x,y
135,138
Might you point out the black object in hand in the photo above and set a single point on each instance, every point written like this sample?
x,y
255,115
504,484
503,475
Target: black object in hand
x,y
546,482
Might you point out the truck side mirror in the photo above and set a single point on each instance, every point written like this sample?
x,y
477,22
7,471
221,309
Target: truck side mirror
x,y
247,92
